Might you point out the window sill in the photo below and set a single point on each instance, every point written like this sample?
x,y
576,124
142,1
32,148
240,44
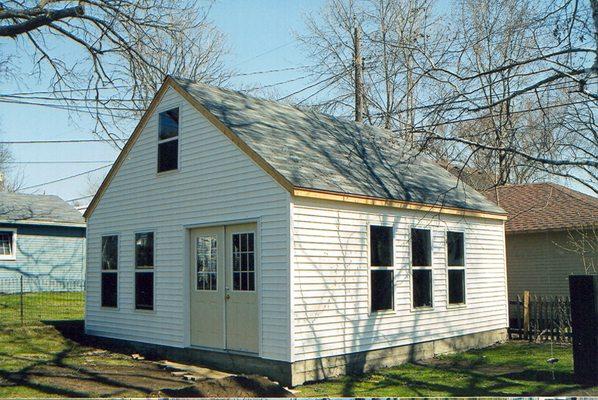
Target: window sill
x,y
456,306
382,313
422,309
8,258
105,308
169,172
145,311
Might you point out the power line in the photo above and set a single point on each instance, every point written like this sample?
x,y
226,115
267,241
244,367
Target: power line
x,y
72,107
52,141
269,71
265,52
81,198
66,177
59,162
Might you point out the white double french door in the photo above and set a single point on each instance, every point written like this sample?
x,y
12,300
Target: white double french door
x,y
224,297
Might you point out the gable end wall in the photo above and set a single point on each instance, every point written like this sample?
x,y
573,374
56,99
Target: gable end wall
x,y
216,182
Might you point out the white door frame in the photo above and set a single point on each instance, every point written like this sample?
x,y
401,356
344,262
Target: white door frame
x,y
186,259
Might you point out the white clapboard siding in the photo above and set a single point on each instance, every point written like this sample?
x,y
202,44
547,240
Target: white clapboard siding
x,y
330,279
216,182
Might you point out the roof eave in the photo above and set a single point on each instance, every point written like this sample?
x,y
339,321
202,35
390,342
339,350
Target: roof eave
x,y
44,223
382,202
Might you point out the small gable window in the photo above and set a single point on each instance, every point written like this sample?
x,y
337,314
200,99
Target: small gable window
x,y
7,245
168,140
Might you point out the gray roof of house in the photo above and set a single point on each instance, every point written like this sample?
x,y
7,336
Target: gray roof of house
x,y
317,151
38,209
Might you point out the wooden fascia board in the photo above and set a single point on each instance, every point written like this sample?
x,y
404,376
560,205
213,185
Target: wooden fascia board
x,y
126,149
374,201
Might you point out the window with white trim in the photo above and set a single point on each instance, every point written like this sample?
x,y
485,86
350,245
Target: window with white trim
x,y
381,268
455,243
7,245
421,267
144,271
168,140
109,271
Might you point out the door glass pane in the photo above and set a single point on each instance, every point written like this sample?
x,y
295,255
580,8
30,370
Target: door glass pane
x,y
243,261
207,263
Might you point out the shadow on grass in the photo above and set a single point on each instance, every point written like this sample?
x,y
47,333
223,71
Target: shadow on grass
x,y
455,381
55,374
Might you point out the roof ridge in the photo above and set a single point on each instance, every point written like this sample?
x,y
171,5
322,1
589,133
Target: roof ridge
x,y
278,103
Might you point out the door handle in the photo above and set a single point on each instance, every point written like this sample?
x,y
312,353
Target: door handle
x,y
227,297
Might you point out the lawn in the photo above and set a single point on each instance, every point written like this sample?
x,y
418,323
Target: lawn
x,y
46,358
511,369
41,306
39,361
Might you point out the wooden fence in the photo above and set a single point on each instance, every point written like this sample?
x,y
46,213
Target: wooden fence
x,y
540,318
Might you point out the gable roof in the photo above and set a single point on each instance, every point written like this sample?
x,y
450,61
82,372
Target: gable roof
x,y
38,210
544,207
316,155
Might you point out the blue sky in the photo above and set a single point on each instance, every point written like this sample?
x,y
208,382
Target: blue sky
x,y
260,34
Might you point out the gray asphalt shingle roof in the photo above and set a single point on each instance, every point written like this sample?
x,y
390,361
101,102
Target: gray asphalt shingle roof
x,y
32,208
317,151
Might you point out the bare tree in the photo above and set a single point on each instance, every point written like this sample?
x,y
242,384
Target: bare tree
x,y
584,243
107,57
520,93
388,30
505,87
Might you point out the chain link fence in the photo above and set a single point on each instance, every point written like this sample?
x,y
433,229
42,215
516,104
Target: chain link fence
x,y
30,300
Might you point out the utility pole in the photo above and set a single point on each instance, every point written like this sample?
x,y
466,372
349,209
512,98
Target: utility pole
x,y
358,62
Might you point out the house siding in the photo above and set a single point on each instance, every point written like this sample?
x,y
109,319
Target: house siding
x,y
540,262
216,183
330,305
53,252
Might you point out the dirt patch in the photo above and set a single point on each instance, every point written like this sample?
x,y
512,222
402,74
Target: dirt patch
x,y
232,386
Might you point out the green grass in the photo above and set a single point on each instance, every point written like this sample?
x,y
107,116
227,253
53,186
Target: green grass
x,y
510,369
33,359
41,306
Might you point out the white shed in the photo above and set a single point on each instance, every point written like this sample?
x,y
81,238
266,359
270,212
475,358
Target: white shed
x,y
257,237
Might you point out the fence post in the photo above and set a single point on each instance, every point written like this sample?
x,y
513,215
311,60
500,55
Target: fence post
x,y
526,298
21,300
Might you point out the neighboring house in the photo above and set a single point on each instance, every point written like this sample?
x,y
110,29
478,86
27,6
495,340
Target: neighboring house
x,y
552,232
40,237
254,236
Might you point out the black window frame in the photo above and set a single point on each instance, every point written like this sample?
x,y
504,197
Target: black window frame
x,y
420,270
109,274
144,271
454,268
378,268
164,142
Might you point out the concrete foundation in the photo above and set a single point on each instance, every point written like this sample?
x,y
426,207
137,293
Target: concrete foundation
x,y
296,373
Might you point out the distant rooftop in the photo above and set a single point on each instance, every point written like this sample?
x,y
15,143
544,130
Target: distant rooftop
x,y
38,209
544,207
